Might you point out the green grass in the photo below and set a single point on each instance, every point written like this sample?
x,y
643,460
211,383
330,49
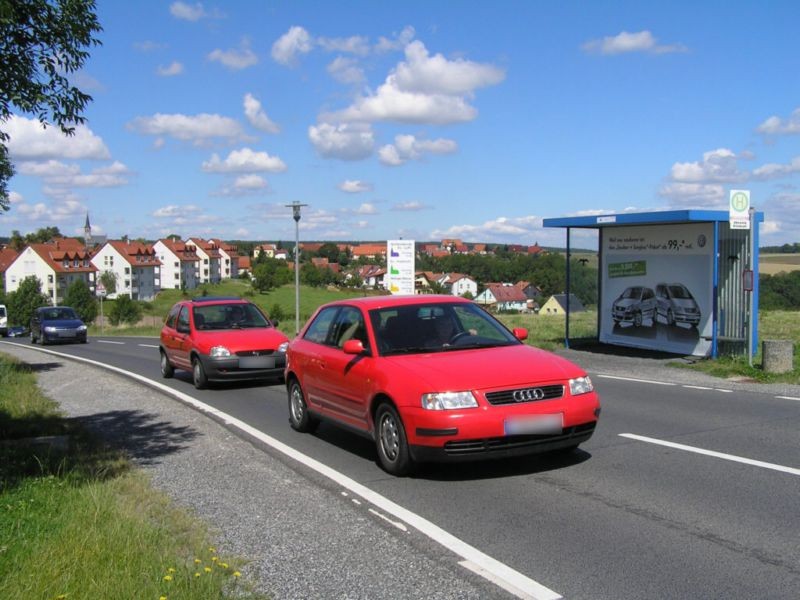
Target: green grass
x,y
77,521
547,331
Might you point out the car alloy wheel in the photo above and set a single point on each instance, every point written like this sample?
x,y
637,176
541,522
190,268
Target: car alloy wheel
x,y
199,375
167,370
299,417
391,441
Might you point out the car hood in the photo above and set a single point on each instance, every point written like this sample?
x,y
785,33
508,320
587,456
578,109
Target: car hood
x,y
237,340
62,323
484,368
625,302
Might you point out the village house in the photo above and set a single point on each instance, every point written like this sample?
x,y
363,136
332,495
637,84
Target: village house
x,y
229,265
557,305
56,264
180,265
369,251
245,266
458,284
134,265
502,297
210,260
7,256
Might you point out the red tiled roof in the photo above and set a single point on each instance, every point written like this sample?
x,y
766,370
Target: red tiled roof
x,y
185,252
136,253
54,254
7,256
507,293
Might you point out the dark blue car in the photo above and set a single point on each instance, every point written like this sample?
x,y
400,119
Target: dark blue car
x,y
52,324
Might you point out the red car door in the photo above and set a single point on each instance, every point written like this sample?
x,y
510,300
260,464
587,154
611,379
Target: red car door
x,y
345,380
182,340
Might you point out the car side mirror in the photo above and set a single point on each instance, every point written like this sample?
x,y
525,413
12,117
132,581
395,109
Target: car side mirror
x,y
520,333
353,347
182,328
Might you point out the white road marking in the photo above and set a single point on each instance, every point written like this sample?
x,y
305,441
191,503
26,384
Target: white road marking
x,y
397,524
788,398
147,345
636,380
109,342
500,574
697,387
730,457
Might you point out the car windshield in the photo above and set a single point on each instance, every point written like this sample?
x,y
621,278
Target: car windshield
x,y
633,292
436,327
209,317
59,312
679,292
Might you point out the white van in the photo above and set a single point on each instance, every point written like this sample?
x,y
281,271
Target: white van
x,y
3,320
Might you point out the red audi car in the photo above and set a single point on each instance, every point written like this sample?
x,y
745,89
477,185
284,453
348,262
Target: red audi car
x,y
434,378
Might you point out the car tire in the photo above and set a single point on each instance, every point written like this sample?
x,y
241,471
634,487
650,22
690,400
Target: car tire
x,y
637,319
670,317
299,417
199,377
167,370
391,442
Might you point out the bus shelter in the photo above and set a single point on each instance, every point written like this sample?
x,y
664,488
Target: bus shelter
x,y
676,281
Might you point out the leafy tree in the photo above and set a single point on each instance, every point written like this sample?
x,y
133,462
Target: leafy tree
x,y
42,235
270,273
42,42
80,298
125,310
26,299
109,281
17,242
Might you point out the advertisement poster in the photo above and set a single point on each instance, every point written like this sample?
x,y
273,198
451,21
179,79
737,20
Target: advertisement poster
x,y
657,287
400,258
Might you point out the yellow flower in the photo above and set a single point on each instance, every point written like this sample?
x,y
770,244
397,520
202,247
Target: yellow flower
x,y
207,569
61,597
212,550
214,558
171,570
167,577
162,598
237,574
197,561
197,574
224,565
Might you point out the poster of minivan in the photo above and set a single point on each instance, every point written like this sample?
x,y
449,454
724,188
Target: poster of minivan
x,y
657,287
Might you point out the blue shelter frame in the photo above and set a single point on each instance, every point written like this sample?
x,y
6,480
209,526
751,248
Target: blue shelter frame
x,y
731,251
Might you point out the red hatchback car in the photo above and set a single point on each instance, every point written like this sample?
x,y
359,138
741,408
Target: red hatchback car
x,y
220,339
434,378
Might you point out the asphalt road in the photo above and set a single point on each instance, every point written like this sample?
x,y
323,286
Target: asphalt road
x,y
711,516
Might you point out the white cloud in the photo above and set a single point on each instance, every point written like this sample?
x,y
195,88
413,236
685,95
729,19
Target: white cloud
x,y
776,171
192,12
366,209
777,126
294,42
235,58
15,197
355,186
244,161
397,42
692,195
346,70
30,141
437,75
356,44
518,229
408,147
720,165
171,70
423,89
173,210
349,141
413,206
59,176
783,211
198,129
625,42
250,183
257,117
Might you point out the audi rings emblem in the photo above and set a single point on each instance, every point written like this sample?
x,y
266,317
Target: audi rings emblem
x,y
528,394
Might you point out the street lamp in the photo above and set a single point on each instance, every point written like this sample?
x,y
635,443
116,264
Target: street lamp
x,y
295,206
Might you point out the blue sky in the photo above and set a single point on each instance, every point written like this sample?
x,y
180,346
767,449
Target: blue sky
x,y
420,120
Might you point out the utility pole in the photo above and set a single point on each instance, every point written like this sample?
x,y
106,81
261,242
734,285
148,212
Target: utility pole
x,y
295,206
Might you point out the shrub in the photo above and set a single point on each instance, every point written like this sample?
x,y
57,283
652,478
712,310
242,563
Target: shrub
x,y
80,298
125,310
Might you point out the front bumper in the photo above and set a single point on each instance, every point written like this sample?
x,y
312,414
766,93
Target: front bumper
x,y
235,368
63,336
470,434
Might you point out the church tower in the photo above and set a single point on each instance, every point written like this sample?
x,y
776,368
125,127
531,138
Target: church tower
x,y
87,233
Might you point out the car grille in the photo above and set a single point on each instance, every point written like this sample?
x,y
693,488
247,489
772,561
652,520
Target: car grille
x,y
507,396
265,352
578,433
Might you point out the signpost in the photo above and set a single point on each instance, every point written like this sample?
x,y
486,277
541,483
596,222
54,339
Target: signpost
x,y
100,290
739,209
400,256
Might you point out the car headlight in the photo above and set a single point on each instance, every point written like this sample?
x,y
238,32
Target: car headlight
x,y
50,329
580,385
219,352
283,347
81,327
448,401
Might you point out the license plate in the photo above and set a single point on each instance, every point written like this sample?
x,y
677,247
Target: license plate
x,y
535,424
257,362
66,334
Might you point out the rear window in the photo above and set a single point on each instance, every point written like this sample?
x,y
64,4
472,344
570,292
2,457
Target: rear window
x,y
2,312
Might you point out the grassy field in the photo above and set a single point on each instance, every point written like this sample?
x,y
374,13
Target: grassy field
x,y
771,264
78,521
